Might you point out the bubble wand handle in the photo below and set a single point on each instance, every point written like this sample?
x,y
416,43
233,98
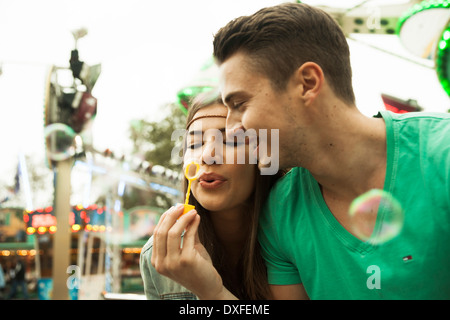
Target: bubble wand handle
x,y
188,193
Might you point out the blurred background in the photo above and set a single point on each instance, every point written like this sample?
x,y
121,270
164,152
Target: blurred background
x,y
91,92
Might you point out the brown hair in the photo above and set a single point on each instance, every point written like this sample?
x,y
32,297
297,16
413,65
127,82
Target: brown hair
x,y
249,279
279,39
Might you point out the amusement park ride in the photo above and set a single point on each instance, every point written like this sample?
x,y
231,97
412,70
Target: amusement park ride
x,y
69,109
423,27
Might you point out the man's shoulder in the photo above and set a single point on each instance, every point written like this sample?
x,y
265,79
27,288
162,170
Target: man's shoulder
x,y
421,119
431,130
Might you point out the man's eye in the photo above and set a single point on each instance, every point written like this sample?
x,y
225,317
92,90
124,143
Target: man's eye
x,y
234,143
237,105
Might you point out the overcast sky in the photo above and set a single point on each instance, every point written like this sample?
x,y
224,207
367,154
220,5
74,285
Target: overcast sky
x,y
148,51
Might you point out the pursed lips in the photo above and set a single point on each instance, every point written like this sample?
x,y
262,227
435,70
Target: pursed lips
x,y
211,180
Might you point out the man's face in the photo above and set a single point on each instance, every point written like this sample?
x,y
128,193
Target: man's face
x,y
252,103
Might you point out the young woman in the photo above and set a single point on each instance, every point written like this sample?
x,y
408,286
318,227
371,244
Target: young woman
x,y
227,199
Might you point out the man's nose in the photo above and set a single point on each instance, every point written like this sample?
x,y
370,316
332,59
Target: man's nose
x,y
233,121
232,127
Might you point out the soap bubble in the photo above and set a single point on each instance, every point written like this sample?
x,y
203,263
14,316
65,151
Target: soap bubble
x,y
376,216
59,140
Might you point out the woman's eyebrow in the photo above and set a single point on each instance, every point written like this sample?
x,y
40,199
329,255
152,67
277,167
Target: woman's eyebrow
x,y
200,132
195,132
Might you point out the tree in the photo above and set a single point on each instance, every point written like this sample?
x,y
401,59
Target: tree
x,y
153,140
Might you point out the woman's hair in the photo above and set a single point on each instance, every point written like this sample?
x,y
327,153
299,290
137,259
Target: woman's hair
x,y
279,39
249,280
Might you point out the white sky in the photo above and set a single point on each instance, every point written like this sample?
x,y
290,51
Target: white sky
x,y
148,51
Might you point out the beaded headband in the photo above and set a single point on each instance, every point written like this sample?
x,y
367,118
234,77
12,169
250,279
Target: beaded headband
x,y
205,116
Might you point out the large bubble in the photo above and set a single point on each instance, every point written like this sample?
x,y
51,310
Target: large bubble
x,y
376,216
59,140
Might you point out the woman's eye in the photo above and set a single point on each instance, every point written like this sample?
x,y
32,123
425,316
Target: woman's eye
x,y
195,146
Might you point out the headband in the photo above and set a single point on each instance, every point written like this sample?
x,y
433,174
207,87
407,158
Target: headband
x,y
205,116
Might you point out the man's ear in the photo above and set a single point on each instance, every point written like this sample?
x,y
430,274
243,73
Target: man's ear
x,y
310,78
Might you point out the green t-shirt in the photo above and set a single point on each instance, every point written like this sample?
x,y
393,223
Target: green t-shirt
x,y
302,242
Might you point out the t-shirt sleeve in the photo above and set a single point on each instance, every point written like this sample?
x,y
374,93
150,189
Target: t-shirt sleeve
x,y
280,270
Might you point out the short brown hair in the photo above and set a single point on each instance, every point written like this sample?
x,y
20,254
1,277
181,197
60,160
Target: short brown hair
x,y
281,38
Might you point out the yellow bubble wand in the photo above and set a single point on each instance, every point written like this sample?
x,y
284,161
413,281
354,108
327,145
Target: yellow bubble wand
x,y
190,175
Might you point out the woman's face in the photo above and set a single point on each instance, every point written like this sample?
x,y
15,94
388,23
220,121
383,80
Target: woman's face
x,y
223,183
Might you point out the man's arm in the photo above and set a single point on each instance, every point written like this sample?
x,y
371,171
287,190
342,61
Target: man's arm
x,y
289,292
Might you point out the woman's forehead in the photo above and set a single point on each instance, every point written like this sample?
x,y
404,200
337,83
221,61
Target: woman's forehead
x,y
212,117
202,125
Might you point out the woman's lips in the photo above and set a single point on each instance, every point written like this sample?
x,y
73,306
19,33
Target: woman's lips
x,y
211,180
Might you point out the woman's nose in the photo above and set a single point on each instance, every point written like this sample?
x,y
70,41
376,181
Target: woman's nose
x,y
212,153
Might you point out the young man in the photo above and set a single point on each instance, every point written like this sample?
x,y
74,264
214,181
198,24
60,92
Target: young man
x,y
287,67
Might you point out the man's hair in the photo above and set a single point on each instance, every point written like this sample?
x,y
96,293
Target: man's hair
x,y
279,39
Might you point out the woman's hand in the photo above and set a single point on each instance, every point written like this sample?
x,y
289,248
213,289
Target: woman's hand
x,y
186,260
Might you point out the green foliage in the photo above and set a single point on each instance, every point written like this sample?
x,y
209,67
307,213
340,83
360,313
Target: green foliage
x,y
152,140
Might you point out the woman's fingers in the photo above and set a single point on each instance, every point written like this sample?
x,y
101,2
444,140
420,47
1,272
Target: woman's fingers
x,y
167,238
175,233
188,264
191,234
160,234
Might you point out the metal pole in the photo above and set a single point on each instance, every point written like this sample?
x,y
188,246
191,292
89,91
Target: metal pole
x,y
101,256
37,257
90,245
80,259
61,238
